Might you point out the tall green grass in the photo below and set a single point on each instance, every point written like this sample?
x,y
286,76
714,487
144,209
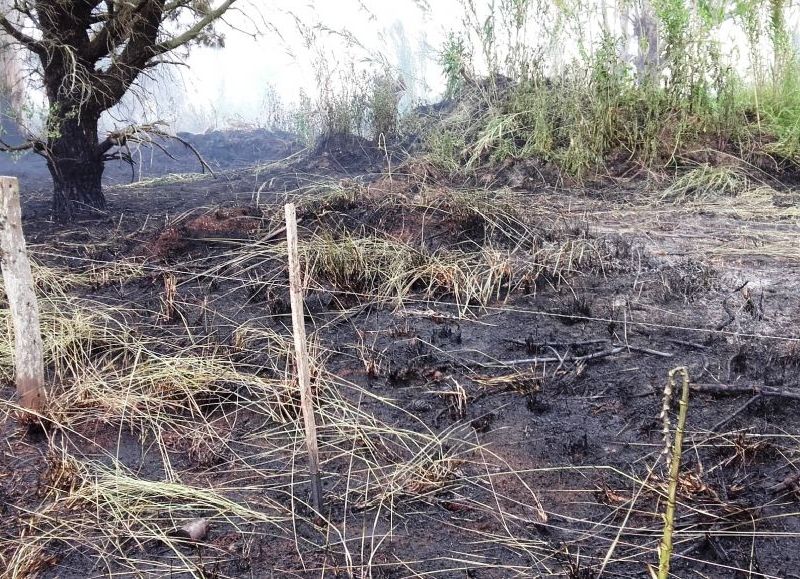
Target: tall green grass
x,y
350,98
603,109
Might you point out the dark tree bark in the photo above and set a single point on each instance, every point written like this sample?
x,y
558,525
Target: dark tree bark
x,y
76,165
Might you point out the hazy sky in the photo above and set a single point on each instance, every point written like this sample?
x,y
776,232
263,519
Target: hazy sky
x,y
224,86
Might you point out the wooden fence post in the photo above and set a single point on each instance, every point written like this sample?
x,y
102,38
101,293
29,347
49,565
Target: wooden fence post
x,y
301,354
22,304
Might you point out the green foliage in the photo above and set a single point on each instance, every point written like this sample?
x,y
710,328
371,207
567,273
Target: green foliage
x,y
383,115
352,102
454,59
780,115
302,119
594,111
446,148
352,98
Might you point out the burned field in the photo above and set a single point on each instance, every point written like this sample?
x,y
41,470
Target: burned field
x,y
489,365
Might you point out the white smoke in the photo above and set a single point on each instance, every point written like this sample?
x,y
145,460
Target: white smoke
x,y
244,82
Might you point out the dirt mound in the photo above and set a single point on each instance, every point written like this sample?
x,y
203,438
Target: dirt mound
x,y
239,148
221,150
222,223
346,154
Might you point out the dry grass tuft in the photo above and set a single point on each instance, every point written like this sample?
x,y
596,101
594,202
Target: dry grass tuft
x,y
705,183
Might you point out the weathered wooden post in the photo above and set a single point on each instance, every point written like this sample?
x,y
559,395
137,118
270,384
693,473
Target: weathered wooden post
x,y
22,304
301,354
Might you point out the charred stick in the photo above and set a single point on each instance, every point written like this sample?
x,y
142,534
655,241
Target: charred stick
x,y
646,351
789,483
736,413
531,345
753,389
693,345
561,359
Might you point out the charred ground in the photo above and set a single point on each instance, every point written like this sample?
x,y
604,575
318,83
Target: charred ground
x,y
489,357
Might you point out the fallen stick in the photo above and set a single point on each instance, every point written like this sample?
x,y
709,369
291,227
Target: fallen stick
x,y
301,354
598,355
752,389
519,362
594,356
693,345
647,351
736,413
550,359
18,280
789,483
531,344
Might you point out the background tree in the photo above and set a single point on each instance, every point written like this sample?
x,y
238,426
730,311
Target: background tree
x,y
11,74
89,54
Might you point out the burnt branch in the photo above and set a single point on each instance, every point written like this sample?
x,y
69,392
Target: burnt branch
x,y
116,28
27,41
26,146
195,31
147,136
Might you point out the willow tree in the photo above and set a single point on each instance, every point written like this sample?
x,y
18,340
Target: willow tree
x,y
89,54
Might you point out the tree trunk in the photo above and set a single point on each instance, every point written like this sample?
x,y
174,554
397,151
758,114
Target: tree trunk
x,y
12,83
646,32
75,163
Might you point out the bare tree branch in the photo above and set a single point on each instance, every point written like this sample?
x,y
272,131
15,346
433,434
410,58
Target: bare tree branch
x,y
114,31
195,30
26,146
27,41
144,135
